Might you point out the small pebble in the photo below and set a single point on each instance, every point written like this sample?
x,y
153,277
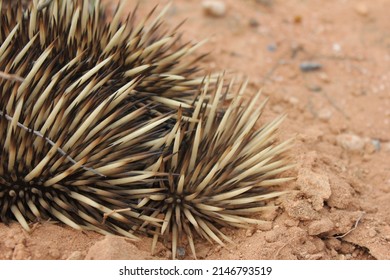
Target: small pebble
x,y
54,253
377,144
271,47
308,66
350,142
181,252
314,88
361,9
292,100
253,23
324,77
372,232
325,114
336,47
271,237
214,8
297,19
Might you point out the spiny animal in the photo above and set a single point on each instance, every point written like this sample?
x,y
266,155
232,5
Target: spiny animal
x,y
84,104
220,171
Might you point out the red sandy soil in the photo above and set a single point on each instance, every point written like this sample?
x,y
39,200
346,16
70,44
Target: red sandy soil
x,y
339,204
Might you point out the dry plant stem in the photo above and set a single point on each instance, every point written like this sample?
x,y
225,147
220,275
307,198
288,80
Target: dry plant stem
x,y
354,227
50,142
11,77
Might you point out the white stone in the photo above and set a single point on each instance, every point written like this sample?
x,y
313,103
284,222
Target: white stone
x,y
325,114
214,8
350,142
336,47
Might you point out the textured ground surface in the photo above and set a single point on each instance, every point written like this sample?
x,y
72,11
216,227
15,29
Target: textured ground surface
x,y
339,207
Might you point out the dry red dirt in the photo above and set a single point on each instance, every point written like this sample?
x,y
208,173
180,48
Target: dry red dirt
x,y
339,204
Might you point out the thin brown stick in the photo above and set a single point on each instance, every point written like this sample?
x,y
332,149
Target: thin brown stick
x,y
354,227
11,77
49,141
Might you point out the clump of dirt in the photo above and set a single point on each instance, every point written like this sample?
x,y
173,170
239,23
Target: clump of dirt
x,y
325,63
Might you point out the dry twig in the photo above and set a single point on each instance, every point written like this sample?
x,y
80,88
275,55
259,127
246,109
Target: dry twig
x,y
11,77
354,227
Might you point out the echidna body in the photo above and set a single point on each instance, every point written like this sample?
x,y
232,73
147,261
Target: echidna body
x,y
85,112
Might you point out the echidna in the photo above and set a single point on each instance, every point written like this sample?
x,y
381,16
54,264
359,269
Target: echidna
x,y
104,126
80,124
220,170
